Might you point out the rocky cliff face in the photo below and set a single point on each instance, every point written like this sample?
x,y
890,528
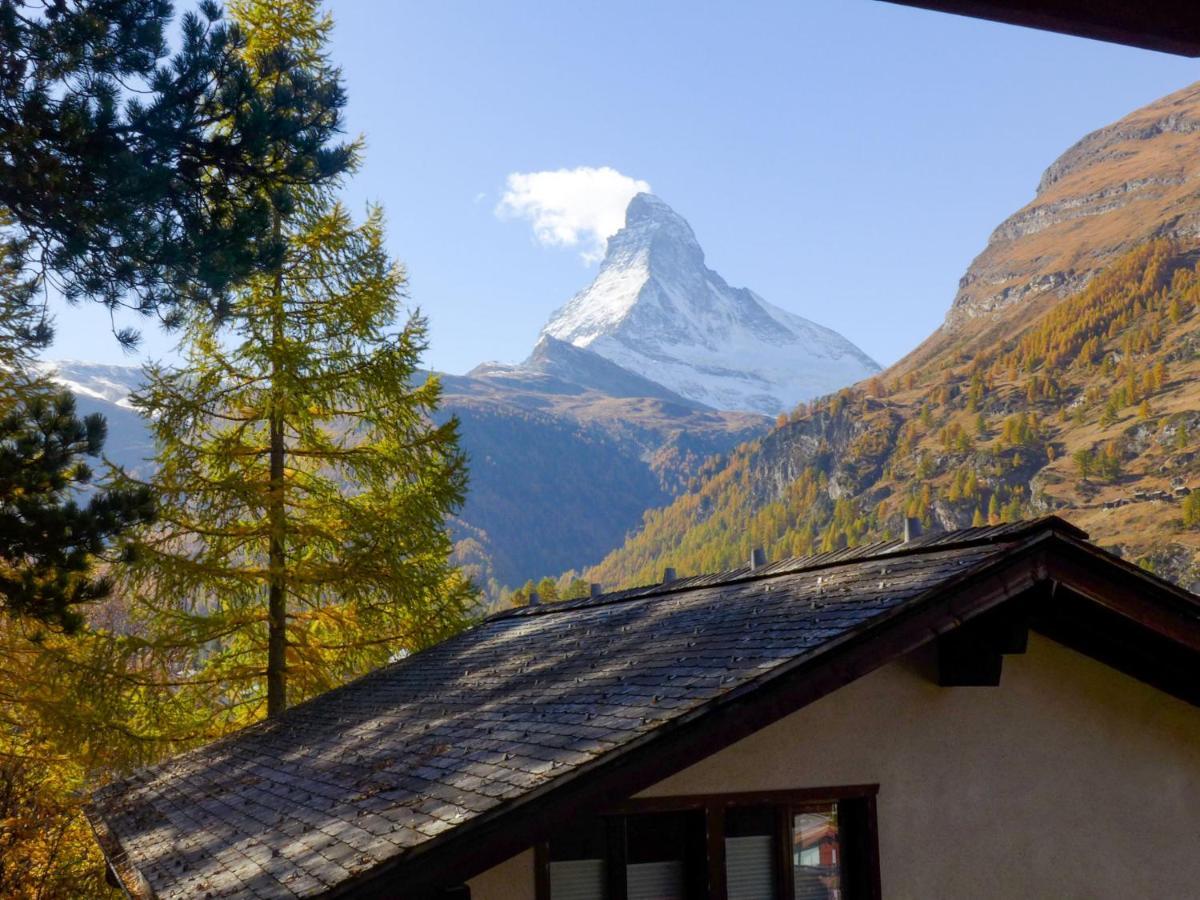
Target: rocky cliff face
x,y
1118,187
657,310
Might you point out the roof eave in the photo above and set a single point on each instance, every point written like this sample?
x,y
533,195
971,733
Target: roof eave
x,y
130,880
1166,26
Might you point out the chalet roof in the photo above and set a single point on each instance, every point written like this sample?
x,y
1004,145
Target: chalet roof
x,y
471,743
1170,26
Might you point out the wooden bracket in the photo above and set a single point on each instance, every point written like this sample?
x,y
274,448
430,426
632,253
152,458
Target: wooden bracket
x,y
972,655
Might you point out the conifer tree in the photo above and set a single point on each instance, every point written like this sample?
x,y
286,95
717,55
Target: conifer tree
x,y
138,171
1191,510
58,526
302,483
52,534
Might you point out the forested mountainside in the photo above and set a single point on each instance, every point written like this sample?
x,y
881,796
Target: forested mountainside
x,y
1092,411
1066,378
557,480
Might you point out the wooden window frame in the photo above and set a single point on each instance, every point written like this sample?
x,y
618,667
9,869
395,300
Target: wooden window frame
x,y
714,806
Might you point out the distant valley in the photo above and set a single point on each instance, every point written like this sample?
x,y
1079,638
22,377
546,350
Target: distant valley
x,y
641,380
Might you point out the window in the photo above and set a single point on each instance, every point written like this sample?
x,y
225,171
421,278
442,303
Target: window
x,y
777,845
751,853
816,852
577,867
664,855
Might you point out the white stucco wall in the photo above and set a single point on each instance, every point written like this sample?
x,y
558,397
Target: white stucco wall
x,y
1070,780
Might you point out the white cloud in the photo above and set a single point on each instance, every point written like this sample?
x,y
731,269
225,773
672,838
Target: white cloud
x,y
580,207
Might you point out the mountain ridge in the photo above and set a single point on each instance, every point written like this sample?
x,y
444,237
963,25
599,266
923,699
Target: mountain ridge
x,y
1118,186
535,436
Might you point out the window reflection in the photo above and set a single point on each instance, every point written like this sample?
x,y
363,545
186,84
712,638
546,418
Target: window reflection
x,y
816,855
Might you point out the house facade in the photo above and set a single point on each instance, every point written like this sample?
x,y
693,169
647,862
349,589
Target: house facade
x,y
996,712
1068,779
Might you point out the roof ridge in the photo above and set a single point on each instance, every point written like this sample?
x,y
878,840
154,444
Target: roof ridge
x,y
935,542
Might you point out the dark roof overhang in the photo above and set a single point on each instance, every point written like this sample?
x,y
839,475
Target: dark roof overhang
x,y
1169,26
1064,587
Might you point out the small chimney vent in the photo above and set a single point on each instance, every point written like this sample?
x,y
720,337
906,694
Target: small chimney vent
x,y
758,558
912,528
668,574
594,589
534,599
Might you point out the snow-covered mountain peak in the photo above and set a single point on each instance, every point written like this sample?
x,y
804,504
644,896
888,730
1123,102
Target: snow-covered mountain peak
x,y
656,309
654,229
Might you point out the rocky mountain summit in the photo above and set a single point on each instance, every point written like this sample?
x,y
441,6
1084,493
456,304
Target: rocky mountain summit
x,y
1115,189
657,310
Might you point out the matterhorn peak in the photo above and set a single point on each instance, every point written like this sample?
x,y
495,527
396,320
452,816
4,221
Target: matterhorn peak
x,y
648,213
656,309
656,231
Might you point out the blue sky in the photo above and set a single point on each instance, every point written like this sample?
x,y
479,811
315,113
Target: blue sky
x,y
845,159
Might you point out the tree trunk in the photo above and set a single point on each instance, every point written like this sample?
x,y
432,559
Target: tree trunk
x,y
276,596
277,564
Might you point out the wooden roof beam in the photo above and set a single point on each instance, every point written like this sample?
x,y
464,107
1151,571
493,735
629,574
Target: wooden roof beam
x,y
1168,26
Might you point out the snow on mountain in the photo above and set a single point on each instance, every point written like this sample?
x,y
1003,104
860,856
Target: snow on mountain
x,y
657,310
112,384
556,367
105,389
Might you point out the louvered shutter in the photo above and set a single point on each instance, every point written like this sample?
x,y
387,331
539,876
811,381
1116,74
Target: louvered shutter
x,y
749,868
577,879
654,880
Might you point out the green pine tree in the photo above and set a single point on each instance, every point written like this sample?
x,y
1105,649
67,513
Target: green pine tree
x,y
56,525
135,164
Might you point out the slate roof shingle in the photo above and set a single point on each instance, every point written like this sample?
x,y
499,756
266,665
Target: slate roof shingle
x,y
369,772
